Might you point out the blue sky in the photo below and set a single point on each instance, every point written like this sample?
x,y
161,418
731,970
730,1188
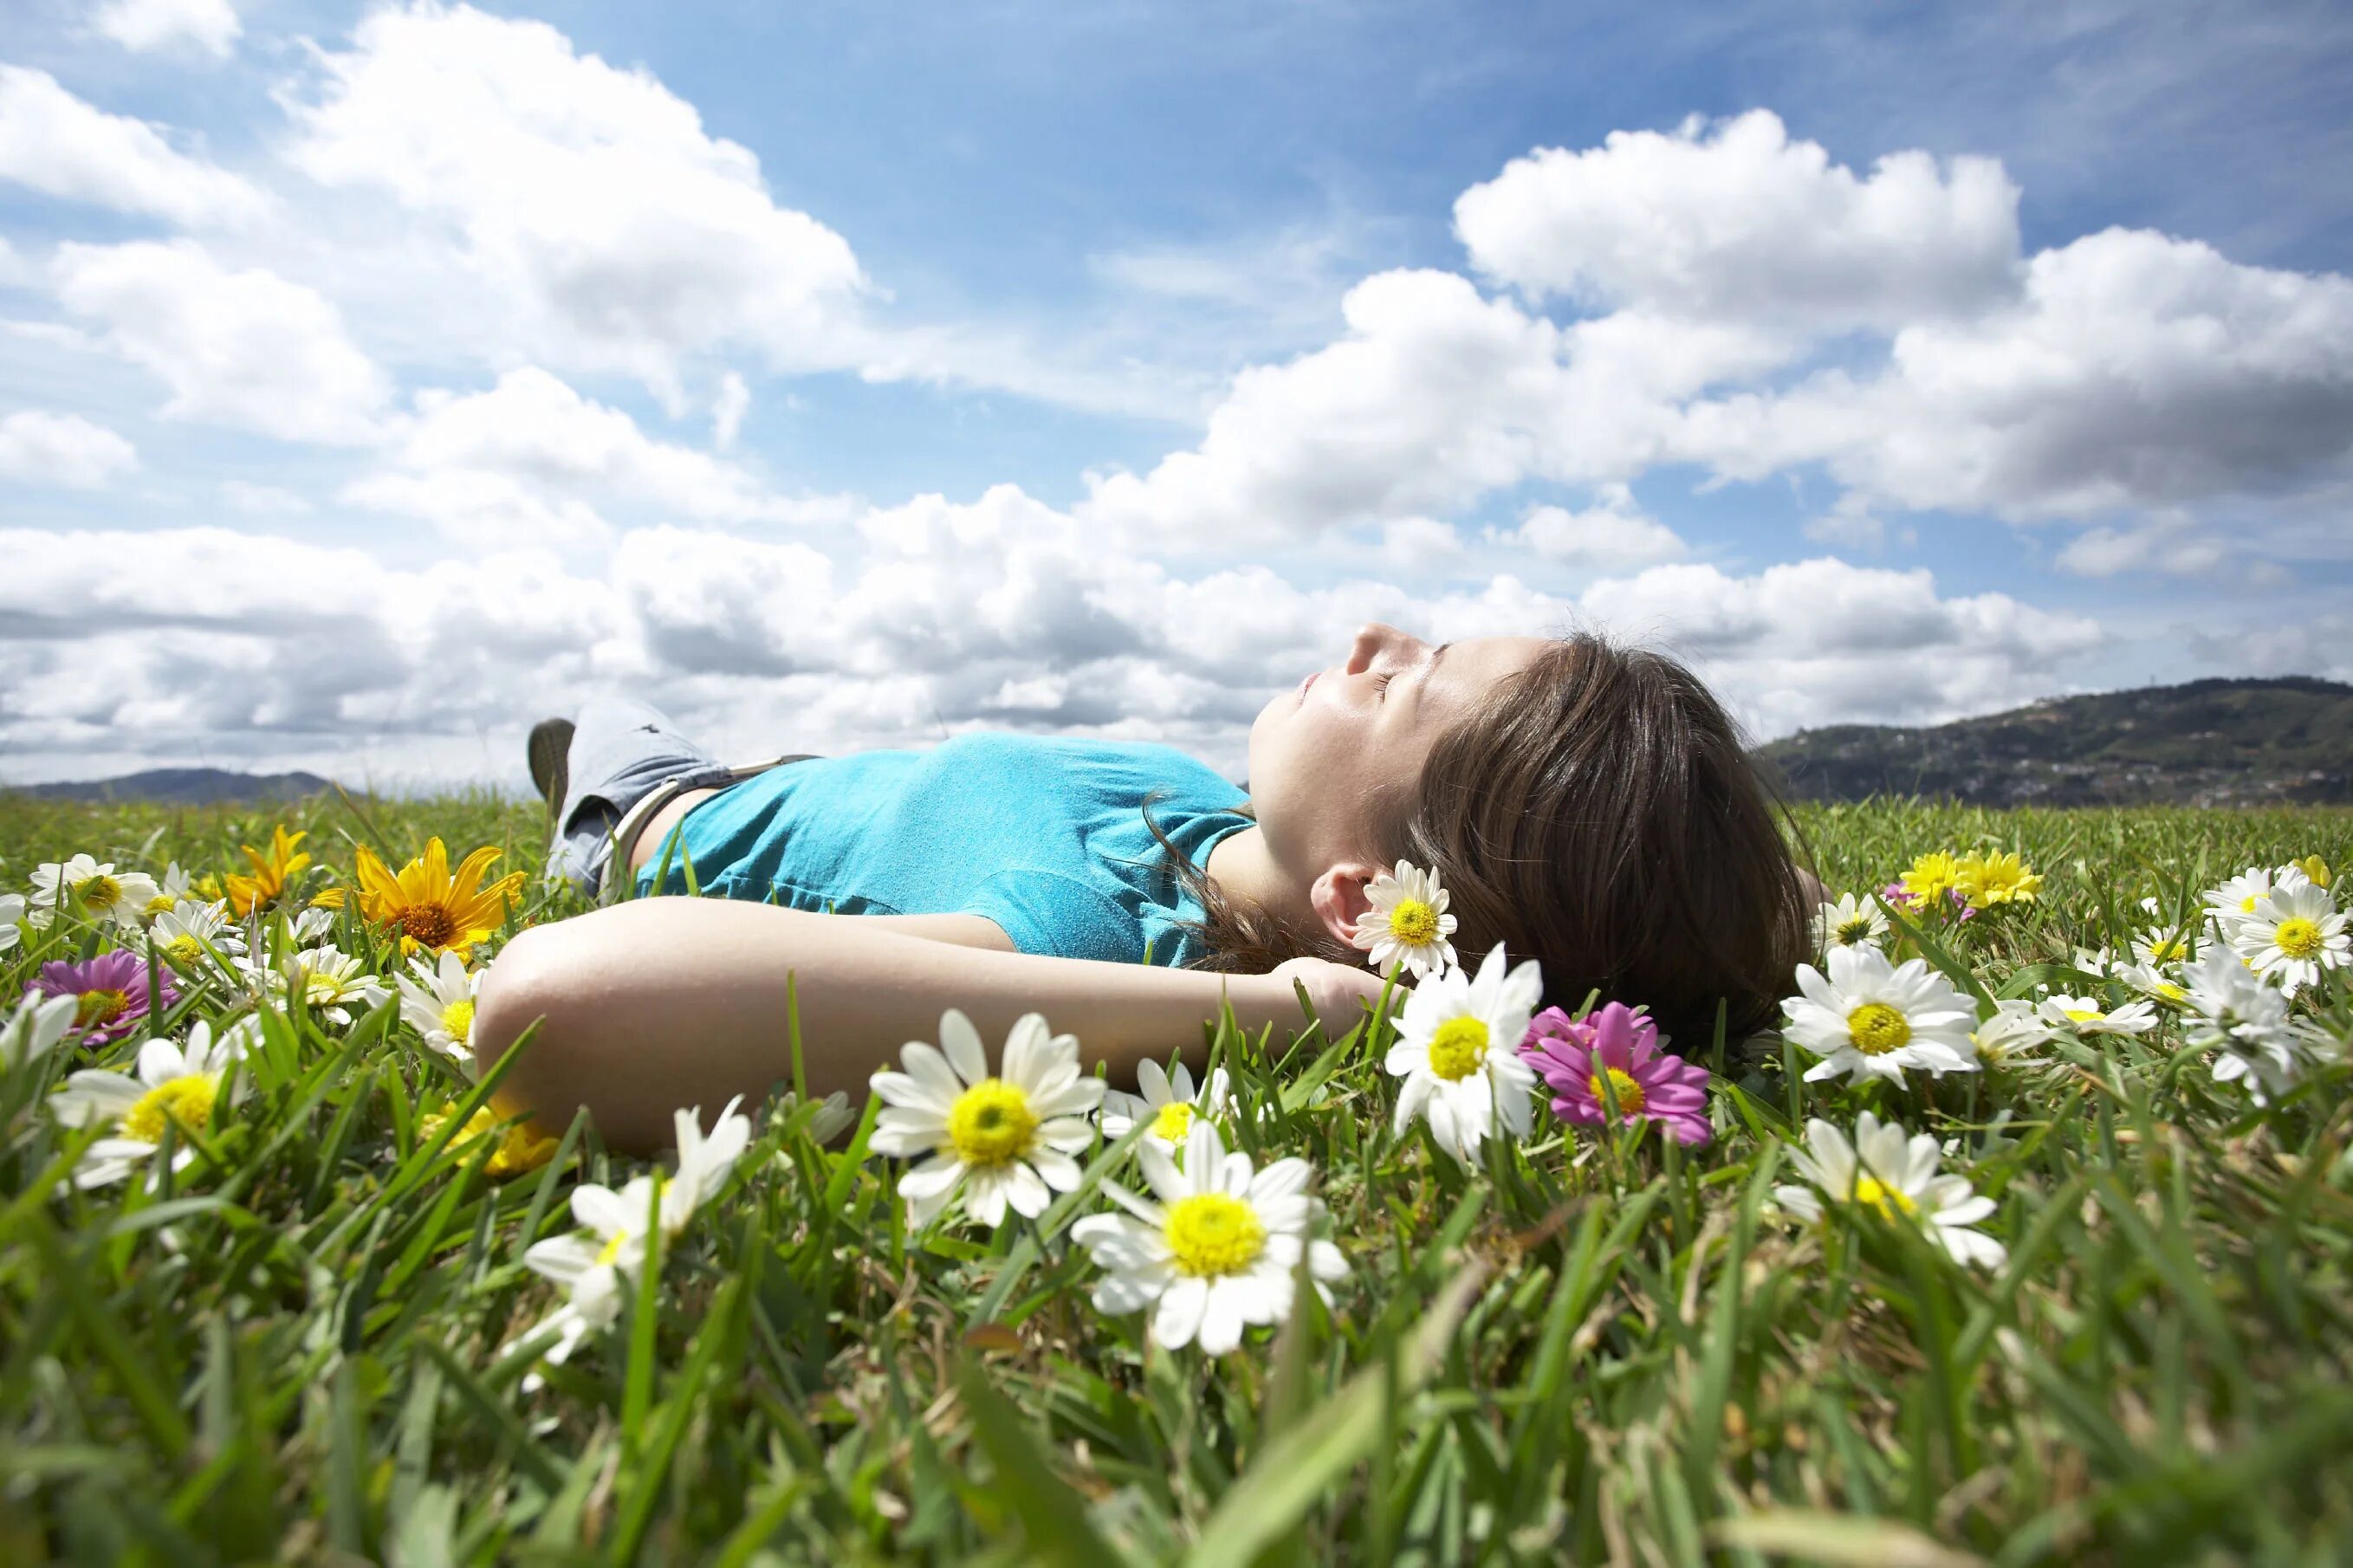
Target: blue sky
x,y
333,333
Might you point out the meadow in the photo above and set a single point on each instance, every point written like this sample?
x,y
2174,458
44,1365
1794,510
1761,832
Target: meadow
x,y
300,1328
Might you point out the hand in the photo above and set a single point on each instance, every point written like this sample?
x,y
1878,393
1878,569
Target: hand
x,y
1333,989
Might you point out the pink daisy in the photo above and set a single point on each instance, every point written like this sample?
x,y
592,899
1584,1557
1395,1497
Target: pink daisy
x,y
112,993
1573,1056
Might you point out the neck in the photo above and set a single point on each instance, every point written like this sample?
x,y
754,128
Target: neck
x,y
1240,867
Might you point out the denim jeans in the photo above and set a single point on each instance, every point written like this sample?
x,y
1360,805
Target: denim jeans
x,y
622,751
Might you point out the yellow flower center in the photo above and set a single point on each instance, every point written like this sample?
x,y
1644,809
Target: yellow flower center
x,y
427,925
98,892
2297,937
161,904
991,1123
458,1017
2247,905
98,1008
1888,1200
185,947
1458,1049
2166,951
1413,922
1210,1234
186,1101
321,988
2083,1014
1622,1085
1854,929
1175,1122
610,1253
2170,992
1877,1028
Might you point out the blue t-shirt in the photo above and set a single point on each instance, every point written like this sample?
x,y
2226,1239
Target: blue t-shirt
x,y
1045,835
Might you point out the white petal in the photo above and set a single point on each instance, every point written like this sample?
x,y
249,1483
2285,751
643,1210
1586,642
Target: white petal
x,y
961,1042
1182,1305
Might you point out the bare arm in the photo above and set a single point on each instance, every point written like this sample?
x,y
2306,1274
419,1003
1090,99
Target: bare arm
x,y
662,1002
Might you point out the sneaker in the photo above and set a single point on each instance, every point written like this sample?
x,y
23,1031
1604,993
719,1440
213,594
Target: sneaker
x,y
549,748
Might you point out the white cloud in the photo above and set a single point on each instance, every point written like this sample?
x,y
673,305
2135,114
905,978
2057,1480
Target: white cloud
x,y
1420,544
1734,222
1436,396
63,147
1614,533
2135,370
532,461
62,449
623,237
263,501
209,25
993,612
242,348
727,410
2169,543
1821,641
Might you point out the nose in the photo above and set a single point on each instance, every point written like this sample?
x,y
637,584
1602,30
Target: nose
x,y
1377,639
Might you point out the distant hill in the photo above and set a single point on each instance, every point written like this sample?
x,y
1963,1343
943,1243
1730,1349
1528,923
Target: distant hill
x,y
2208,743
181,786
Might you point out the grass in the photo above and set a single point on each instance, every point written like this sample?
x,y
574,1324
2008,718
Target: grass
x,y
1587,1349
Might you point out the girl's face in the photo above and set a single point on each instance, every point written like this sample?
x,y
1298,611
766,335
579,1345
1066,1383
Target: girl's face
x,y
1321,755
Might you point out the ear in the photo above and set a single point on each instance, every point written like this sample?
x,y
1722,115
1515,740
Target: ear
x,y
1338,896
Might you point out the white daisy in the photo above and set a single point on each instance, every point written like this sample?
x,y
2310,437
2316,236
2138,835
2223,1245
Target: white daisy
x,y
2089,1015
2245,1023
169,893
173,1085
1870,1018
437,1002
92,889
2161,947
2294,933
1885,1170
2154,984
1408,923
193,935
1218,1251
1004,1141
2234,901
331,983
35,1028
2014,1037
592,1271
1849,923
1167,1102
12,919
1458,1050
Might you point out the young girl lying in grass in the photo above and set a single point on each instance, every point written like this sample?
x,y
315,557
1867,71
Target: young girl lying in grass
x,y
1586,805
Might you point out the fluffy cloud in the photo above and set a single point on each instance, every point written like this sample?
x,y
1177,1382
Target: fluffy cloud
x,y
1613,532
998,612
243,348
1735,222
61,146
621,235
61,449
1436,396
208,24
2134,370
531,461
2126,369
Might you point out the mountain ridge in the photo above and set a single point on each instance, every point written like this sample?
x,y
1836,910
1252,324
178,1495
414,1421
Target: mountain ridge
x,y
2219,740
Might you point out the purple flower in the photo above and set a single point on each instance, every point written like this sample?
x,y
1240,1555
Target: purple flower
x,y
1896,894
112,992
1573,1058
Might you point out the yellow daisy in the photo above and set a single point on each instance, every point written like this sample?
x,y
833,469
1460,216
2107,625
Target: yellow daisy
x,y
434,909
1930,875
270,876
1989,879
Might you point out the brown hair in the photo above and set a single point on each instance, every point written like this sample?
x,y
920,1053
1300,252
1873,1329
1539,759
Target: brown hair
x,y
1597,811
